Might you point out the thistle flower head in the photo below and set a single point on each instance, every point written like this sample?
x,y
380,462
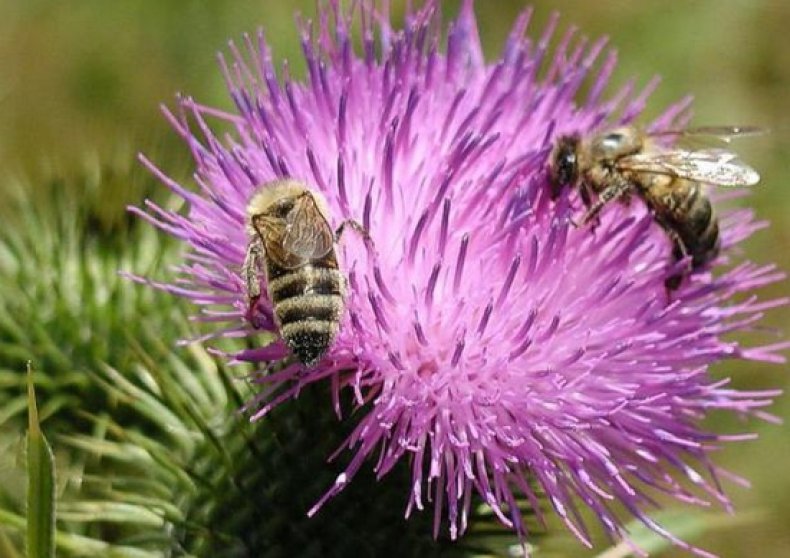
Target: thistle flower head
x,y
487,341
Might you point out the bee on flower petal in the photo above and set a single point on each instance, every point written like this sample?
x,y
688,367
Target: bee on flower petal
x,y
617,163
292,243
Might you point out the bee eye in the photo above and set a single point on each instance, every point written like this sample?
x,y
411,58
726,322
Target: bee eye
x,y
566,169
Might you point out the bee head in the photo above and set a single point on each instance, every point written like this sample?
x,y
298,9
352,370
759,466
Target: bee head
x,y
564,164
276,198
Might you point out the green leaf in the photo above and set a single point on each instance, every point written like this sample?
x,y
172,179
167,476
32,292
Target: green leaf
x,y
40,484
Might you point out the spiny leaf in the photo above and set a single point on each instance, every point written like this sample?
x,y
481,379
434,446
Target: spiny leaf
x,y
40,484
85,547
111,512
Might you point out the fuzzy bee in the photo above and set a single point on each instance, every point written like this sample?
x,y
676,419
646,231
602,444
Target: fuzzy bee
x,y
290,240
623,161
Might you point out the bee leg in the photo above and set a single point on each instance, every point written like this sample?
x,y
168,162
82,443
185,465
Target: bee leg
x,y
679,248
586,195
679,252
585,192
251,270
362,231
258,317
610,193
673,282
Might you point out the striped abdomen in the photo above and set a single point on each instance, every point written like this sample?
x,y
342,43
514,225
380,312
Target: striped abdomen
x,y
687,211
308,305
700,229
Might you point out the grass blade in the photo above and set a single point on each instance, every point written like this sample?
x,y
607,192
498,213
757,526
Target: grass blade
x,y
40,484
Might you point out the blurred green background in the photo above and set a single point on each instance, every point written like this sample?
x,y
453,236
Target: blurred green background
x,y
81,80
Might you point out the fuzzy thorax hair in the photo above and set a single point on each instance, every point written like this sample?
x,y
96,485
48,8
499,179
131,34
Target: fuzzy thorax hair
x,y
270,193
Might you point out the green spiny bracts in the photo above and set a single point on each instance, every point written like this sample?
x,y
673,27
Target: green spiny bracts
x,y
64,306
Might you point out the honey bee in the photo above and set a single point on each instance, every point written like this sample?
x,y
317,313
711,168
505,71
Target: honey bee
x,y
291,241
623,161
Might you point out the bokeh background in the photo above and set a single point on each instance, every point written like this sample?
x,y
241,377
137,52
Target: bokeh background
x,y
80,84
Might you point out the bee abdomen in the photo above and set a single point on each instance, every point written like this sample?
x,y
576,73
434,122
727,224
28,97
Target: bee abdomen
x,y
323,308
308,304
308,324
707,247
309,339
308,280
701,233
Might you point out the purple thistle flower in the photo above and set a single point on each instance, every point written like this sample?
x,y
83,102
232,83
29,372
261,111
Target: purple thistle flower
x,y
486,340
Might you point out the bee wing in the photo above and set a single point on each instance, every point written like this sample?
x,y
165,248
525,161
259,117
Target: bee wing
x,y
723,133
711,166
272,231
307,234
